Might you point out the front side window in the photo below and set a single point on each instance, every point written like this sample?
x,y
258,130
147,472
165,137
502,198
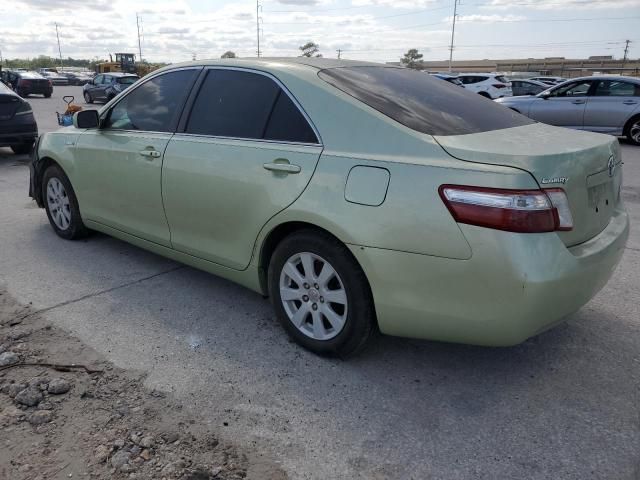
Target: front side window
x,y
577,89
421,102
155,105
237,104
616,88
98,79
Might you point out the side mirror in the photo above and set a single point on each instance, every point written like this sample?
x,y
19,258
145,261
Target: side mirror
x,y
86,119
545,95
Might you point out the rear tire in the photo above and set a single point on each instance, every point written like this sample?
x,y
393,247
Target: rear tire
x,y
47,95
22,148
61,204
485,95
632,130
320,294
87,97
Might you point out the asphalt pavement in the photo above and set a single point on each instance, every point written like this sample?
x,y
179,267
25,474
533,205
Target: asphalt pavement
x,y
563,405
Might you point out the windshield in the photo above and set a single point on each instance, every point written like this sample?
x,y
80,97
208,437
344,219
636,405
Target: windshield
x,y
422,103
127,80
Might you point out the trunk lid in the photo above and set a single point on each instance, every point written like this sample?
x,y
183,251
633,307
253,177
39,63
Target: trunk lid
x,y
585,165
8,106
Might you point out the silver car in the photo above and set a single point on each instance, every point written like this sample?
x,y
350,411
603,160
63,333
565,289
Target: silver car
x,y
606,104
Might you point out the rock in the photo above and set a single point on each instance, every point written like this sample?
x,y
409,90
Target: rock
x,y
4,347
40,417
135,439
170,437
119,460
10,415
45,406
119,443
13,389
30,397
145,455
58,386
39,382
146,442
135,450
101,453
8,358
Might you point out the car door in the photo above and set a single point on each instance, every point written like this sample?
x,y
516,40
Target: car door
x,y
518,88
610,106
244,152
565,105
119,165
94,87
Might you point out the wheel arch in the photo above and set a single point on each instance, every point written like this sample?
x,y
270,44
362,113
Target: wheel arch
x,y
43,164
279,233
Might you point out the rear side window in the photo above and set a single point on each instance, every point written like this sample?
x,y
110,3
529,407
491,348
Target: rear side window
x,y
422,103
500,78
237,104
287,123
615,88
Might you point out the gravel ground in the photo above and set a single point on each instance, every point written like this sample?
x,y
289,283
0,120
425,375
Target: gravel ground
x,y
563,405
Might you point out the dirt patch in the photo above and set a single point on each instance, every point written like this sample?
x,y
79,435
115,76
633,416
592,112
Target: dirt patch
x,y
98,422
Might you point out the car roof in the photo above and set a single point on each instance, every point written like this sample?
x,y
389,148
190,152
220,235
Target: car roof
x,y
120,74
606,77
30,74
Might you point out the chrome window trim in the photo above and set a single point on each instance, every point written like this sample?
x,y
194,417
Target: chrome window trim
x,y
257,140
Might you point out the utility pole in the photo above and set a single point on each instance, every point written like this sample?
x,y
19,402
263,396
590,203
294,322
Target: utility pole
x,y
453,31
339,53
59,50
626,52
258,8
139,43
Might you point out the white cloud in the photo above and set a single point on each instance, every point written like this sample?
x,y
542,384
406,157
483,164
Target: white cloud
x,y
487,18
395,3
575,6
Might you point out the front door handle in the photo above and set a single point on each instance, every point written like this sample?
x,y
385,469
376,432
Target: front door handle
x,y
629,102
282,167
150,153
578,102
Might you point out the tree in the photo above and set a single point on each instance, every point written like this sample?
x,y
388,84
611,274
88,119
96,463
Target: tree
x,y
310,49
229,54
412,59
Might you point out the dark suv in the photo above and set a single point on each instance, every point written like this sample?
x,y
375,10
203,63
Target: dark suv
x,y
105,86
18,128
27,83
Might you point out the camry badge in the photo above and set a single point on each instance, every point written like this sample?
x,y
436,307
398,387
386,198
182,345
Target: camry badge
x,y
611,165
562,180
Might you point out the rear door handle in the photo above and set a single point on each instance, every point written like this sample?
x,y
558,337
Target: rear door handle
x,y
282,167
150,153
578,102
629,102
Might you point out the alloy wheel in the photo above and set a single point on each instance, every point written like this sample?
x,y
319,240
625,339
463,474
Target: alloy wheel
x,y
58,203
634,132
313,296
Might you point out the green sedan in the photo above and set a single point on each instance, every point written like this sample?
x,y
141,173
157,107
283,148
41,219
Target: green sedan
x,y
359,197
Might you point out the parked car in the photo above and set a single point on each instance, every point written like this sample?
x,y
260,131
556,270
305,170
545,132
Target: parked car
x,y
26,83
449,78
602,104
520,87
77,78
18,128
486,84
356,195
105,86
54,77
549,80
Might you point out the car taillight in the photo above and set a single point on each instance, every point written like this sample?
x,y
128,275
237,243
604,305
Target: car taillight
x,y
520,211
499,85
50,83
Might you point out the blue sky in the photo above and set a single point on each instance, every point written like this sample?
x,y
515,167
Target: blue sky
x,y
378,30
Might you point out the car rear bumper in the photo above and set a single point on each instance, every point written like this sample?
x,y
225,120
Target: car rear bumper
x,y
513,287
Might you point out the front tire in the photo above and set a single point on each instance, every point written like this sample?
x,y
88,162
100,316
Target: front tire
x,y
87,97
22,148
61,204
320,294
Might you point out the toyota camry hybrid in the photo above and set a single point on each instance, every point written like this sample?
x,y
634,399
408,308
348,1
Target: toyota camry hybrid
x,y
359,197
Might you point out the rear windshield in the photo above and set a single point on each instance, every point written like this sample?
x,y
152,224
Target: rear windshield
x,y
126,80
421,102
